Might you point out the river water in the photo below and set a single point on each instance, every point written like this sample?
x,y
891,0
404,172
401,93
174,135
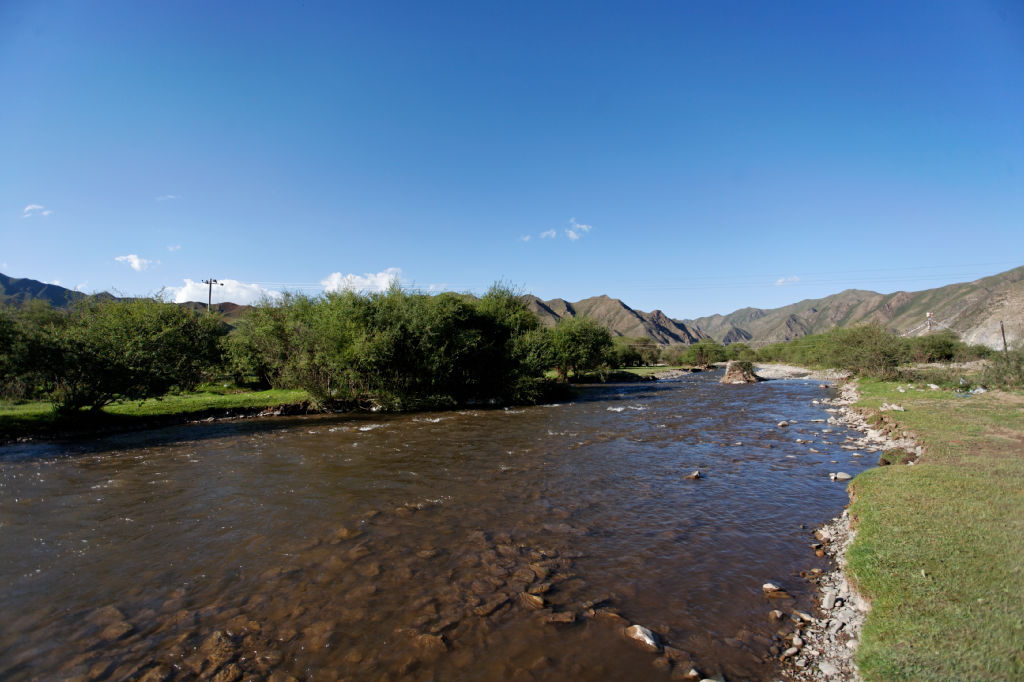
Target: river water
x,y
472,545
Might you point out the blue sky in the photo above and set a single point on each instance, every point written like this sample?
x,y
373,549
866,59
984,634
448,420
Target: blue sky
x,y
694,157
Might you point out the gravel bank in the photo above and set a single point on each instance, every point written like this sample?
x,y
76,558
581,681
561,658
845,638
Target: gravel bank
x,y
774,371
829,640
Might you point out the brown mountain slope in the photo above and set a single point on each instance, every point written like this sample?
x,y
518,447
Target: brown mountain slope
x,y
618,317
972,309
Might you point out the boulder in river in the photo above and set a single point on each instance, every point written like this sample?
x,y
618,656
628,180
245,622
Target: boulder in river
x,y
739,372
641,634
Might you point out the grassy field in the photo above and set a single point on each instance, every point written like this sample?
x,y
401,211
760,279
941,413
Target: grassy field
x,y
940,545
39,419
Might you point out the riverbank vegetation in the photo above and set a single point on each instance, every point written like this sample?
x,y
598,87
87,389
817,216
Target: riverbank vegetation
x,y
937,546
32,418
392,350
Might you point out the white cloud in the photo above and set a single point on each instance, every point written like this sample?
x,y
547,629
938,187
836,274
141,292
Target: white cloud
x,y
576,230
166,197
525,238
35,209
228,290
370,281
134,262
549,234
783,281
56,281
175,247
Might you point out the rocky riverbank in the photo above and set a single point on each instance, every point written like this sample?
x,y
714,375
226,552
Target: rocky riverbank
x,y
823,646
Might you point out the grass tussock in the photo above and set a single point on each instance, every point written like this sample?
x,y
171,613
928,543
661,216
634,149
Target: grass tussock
x,y
938,548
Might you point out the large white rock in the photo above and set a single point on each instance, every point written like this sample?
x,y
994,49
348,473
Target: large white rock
x,y
644,636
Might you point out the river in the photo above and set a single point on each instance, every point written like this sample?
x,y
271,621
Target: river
x,y
472,545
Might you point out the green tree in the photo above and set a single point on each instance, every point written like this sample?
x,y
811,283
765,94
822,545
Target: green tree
x,y
673,354
580,345
740,351
108,350
624,353
704,353
397,350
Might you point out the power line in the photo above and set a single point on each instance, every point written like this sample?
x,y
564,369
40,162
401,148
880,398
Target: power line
x,y
209,295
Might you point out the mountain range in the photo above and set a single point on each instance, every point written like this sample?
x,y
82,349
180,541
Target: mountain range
x,y
975,310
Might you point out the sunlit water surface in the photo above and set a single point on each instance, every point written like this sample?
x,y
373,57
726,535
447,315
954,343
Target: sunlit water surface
x,y
403,547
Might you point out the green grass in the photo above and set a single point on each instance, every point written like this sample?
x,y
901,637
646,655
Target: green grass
x,y
39,419
939,544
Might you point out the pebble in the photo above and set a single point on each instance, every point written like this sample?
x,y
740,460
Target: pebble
x,y
828,669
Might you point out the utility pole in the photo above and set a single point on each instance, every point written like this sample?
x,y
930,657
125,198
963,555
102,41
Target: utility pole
x,y
1002,330
209,294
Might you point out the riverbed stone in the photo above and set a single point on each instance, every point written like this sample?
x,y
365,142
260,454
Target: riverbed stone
x,y
431,646
106,615
229,673
827,669
644,636
160,673
562,617
491,605
116,631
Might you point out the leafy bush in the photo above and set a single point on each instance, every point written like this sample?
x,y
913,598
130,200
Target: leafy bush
x,y
867,350
704,353
23,354
1005,370
634,352
580,344
105,350
740,351
674,354
396,350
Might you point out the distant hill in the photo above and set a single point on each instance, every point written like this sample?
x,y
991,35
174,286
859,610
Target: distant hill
x,y
17,291
231,312
973,310
618,317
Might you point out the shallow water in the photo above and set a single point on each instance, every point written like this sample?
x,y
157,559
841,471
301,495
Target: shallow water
x,y
400,547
